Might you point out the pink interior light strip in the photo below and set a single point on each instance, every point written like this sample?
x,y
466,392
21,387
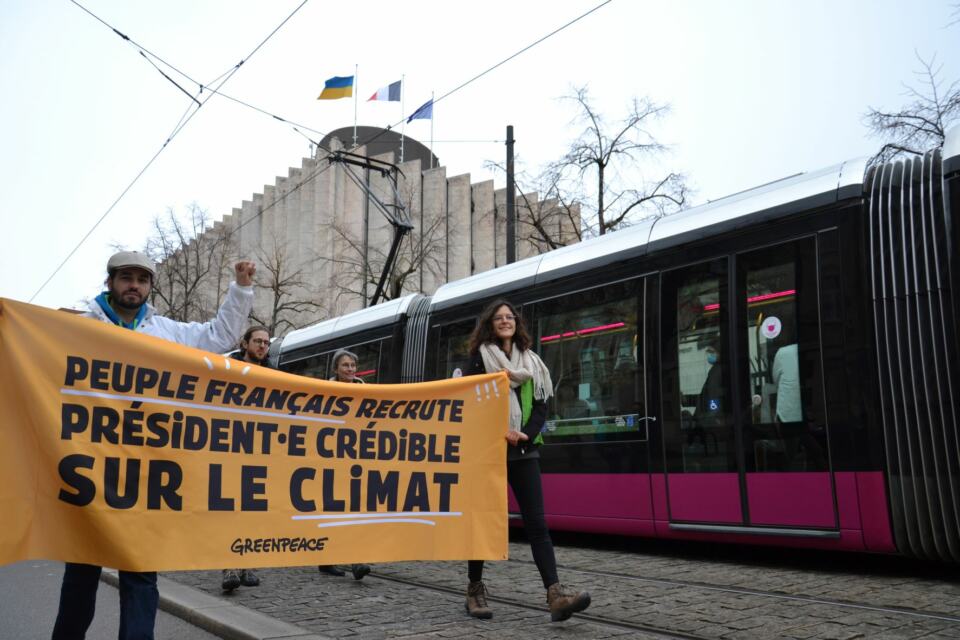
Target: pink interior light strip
x,y
580,332
760,298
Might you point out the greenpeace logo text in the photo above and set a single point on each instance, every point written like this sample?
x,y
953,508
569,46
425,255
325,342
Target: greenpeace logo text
x,y
277,545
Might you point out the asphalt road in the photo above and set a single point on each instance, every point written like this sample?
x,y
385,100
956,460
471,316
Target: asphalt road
x,y
30,591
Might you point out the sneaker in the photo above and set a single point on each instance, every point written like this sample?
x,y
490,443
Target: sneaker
x,y
331,569
231,580
477,601
564,602
249,579
359,570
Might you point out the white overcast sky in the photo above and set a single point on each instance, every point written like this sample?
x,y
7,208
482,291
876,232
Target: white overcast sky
x,y
759,89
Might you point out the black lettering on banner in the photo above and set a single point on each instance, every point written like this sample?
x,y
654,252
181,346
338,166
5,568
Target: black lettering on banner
x,y
84,486
156,425
329,502
342,409
322,434
214,389
418,497
111,483
456,411
297,435
365,410
164,477
146,379
445,480
215,499
355,472
104,425
296,489
77,369
132,428
73,419
219,435
250,488
382,490
98,374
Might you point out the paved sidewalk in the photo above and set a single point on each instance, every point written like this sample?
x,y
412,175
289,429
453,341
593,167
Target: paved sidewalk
x,y
702,591
219,616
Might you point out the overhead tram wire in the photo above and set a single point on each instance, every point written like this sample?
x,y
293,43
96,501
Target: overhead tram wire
x,y
176,131
373,138
318,172
502,62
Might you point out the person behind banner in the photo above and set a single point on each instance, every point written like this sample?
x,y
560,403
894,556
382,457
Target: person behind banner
x,y
254,346
500,342
345,370
130,278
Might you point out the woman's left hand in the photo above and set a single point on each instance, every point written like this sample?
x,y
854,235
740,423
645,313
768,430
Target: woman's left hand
x,y
516,437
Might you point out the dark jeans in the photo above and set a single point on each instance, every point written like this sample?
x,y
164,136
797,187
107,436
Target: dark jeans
x,y
523,477
78,599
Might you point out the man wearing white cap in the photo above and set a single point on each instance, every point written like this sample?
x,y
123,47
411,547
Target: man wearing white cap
x,y
129,280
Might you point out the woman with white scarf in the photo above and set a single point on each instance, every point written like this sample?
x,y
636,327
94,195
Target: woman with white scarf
x,y
500,342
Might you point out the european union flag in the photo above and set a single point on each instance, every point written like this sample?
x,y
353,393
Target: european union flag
x,y
425,112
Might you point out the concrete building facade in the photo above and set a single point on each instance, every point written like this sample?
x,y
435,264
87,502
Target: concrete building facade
x,y
321,243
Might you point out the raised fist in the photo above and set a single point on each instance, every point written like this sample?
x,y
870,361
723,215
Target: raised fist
x,y
245,270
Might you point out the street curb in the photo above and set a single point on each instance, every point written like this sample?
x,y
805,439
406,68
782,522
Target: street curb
x,y
221,618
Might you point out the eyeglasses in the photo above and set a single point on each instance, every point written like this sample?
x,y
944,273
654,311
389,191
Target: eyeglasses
x,y
506,318
261,342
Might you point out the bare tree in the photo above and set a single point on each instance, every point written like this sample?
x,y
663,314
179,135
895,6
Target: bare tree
x,y
592,171
923,122
291,294
548,217
193,264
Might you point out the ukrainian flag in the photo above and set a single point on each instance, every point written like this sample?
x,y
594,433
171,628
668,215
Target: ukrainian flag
x,y
337,87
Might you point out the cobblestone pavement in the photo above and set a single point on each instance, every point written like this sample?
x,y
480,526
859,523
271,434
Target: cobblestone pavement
x,y
693,590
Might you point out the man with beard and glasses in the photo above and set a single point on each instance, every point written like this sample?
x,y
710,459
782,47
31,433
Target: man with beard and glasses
x,y
130,277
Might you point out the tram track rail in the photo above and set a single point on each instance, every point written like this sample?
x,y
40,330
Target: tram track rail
x,y
604,621
761,593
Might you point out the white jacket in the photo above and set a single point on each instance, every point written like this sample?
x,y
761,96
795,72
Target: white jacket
x,y
219,335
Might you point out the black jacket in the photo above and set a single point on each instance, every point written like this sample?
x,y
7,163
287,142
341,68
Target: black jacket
x,y
532,429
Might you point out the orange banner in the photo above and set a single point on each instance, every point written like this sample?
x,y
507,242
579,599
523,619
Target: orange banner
x,y
124,450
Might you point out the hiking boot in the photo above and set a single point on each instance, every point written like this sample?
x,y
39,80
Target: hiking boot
x,y
249,579
359,570
331,569
231,580
564,601
477,601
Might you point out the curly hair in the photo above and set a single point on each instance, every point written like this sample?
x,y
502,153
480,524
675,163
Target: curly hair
x,y
484,332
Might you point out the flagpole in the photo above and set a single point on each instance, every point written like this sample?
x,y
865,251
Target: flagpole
x,y
356,88
403,120
431,129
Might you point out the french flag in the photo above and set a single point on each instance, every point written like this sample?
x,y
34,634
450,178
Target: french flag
x,y
391,93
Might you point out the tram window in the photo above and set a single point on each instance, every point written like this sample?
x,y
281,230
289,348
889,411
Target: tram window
x,y
453,354
313,367
698,428
589,342
368,361
782,349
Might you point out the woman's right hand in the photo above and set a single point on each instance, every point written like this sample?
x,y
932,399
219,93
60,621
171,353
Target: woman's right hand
x,y
516,437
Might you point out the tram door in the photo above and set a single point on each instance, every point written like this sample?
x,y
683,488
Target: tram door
x,y
744,428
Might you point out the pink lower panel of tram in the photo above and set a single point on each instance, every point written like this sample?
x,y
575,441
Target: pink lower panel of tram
x,y
637,504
